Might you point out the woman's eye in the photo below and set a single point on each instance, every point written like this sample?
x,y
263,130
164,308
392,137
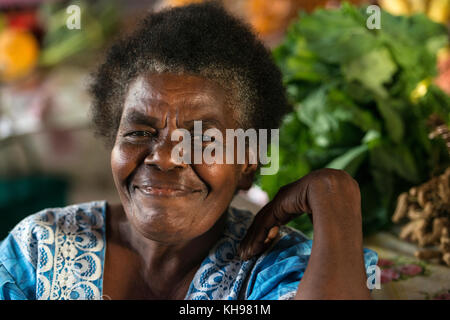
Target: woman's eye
x,y
140,134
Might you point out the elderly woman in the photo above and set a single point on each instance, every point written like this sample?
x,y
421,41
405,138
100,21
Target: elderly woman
x,y
174,234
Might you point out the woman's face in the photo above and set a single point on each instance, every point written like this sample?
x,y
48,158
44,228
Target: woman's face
x,y
164,200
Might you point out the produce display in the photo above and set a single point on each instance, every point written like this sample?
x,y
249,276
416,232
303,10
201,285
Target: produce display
x,y
39,37
268,17
99,21
427,207
361,99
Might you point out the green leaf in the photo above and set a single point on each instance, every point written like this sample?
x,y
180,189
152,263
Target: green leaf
x,y
372,70
397,159
434,44
351,88
346,110
372,139
351,160
313,111
337,36
393,120
413,30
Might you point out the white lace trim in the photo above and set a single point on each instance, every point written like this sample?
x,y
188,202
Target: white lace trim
x,y
288,296
64,246
222,274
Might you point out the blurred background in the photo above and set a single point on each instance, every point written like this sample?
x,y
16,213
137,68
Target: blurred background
x,y
369,99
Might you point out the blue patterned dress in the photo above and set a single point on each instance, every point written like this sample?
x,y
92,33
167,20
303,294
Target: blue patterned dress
x,y
58,254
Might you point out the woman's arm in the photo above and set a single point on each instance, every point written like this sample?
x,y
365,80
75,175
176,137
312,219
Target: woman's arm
x,y
336,265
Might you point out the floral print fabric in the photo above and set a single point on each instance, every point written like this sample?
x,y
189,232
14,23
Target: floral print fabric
x,y
58,254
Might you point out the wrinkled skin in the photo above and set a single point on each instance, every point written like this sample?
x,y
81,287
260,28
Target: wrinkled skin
x,y
141,159
172,214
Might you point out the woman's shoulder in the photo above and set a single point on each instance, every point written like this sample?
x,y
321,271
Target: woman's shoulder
x,y
223,275
41,226
276,273
33,247
240,220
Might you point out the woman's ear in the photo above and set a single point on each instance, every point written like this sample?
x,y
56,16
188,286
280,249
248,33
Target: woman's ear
x,y
248,169
247,176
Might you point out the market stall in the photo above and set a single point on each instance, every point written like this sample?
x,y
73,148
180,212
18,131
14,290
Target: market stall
x,y
371,101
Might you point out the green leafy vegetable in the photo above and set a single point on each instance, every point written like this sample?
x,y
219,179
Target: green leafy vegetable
x,y
360,100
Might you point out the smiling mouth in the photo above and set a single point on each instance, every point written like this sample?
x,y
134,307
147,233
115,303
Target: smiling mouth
x,y
165,190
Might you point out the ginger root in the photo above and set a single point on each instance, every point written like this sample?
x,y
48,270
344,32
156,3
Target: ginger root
x,y
402,207
428,209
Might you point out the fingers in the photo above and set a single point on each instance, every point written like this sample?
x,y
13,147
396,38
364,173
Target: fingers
x,y
325,190
272,234
266,225
261,233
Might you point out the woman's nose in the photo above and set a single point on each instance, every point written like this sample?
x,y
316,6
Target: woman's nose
x,y
161,156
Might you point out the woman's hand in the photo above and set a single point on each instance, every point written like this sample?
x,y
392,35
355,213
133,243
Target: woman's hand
x,y
331,197
336,265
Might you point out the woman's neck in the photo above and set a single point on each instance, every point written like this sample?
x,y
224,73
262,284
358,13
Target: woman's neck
x,y
160,266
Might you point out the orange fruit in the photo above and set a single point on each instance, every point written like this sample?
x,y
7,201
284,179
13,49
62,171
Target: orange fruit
x,y
19,52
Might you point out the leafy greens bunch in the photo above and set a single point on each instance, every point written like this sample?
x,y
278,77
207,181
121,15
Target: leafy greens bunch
x,y
361,99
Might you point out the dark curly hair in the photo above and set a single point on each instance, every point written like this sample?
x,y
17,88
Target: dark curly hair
x,y
198,39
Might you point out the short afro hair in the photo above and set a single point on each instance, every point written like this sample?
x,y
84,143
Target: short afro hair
x,y
199,39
